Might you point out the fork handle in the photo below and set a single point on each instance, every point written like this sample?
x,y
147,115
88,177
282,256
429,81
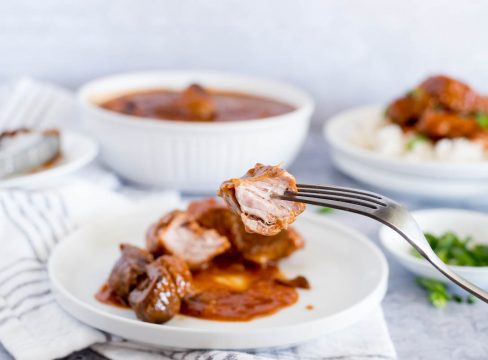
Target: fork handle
x,y
429,255
451,275
407,228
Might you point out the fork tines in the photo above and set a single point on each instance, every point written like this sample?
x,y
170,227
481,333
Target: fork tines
x,y
336,197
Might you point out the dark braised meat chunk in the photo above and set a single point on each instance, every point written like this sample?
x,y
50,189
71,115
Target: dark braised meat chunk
x,y
158,298
452,94
251,197
129,270
438,124
179,234
406,110
263,249
179,271
253,247
196,103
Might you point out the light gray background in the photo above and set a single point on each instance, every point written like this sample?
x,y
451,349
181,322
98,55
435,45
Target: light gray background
x,y
345,52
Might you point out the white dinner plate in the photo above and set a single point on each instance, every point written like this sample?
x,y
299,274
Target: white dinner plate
x,y
347,272
426,178
77,151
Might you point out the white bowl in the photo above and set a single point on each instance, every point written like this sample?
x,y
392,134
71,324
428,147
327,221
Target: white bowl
x,y
433,179
438,221
186,155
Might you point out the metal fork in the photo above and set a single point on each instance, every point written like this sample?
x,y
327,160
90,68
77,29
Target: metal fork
x,y
385,211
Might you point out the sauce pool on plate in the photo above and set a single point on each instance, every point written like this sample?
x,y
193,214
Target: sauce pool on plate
x,y
228,292
196,103
238,292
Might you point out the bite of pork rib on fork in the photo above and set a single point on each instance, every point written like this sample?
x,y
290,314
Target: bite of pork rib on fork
x,y
251,197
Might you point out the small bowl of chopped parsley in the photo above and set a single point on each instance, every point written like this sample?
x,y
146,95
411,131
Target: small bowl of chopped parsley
x,y
453,249
458,237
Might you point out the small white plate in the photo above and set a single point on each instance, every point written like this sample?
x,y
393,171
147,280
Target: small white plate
x,y
432,179
77,151
347,272
438,221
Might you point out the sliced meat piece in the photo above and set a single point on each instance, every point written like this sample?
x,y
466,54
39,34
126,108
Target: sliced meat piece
x,y
179,271
129,270
213,214
156,299
251,197
452,93
438,124
179,234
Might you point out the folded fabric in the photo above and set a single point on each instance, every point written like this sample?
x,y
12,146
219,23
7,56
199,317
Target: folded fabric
x,y
26,102
32,325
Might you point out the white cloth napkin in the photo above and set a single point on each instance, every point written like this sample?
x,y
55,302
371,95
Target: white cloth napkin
x,y
33,326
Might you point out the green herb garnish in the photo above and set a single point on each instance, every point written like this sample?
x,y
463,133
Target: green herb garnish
x,y
414,140
482,120
325,210
453,250
437,292
439,295
457,298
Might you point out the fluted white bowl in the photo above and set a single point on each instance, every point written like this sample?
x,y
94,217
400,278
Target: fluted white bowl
x,y
186,155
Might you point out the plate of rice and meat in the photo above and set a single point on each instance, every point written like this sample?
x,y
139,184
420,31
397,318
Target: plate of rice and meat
x,y
227,273
432,141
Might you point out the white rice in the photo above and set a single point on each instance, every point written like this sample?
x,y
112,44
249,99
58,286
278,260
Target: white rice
x,y
389,140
